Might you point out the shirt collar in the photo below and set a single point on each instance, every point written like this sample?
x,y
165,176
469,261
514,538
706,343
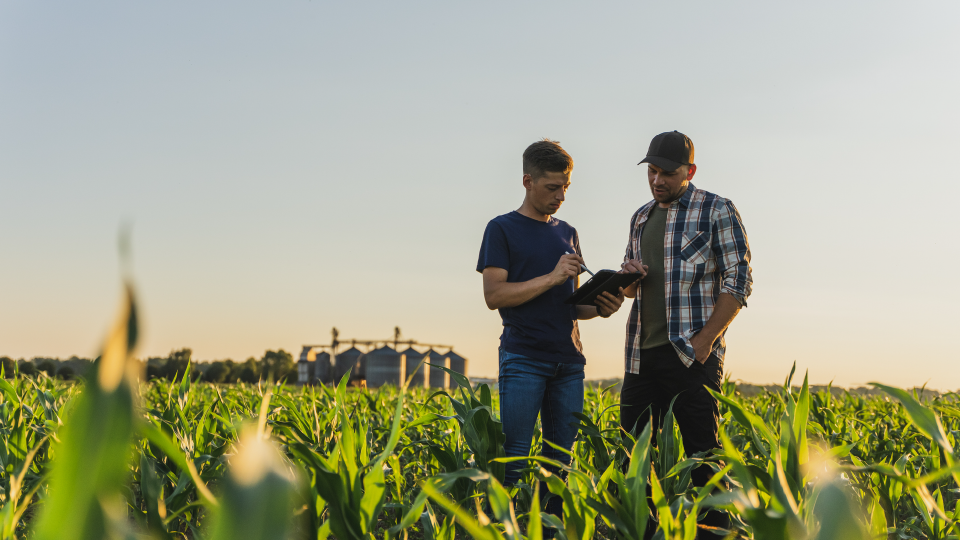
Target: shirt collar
x,y
684,199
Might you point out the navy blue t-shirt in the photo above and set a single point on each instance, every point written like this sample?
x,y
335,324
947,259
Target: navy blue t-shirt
x,y
544,328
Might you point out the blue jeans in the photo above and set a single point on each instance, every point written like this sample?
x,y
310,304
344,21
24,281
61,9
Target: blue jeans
x,y
529,387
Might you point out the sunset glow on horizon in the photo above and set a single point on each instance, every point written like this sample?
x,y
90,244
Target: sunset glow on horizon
x,y
290,168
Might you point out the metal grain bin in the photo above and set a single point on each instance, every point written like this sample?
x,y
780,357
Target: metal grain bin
x,y
305,366
321,369
384,366
349,360
413,358
457,363
438,377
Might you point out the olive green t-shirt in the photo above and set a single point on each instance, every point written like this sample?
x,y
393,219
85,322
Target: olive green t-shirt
x,y
653,302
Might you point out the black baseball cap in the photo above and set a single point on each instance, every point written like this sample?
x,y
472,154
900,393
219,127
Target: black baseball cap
x,y
669,151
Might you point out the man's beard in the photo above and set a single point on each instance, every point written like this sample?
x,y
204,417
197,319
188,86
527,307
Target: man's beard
x,y
670,197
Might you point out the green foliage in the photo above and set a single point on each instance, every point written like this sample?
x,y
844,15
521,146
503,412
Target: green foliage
x,y
278,365
111,457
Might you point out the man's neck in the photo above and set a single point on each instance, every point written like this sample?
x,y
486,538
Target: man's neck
x,y
527,210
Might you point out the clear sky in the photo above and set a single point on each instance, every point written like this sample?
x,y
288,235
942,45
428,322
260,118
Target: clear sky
x,y
292,166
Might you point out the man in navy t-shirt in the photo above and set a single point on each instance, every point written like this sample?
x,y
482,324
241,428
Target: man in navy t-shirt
x,y
530,262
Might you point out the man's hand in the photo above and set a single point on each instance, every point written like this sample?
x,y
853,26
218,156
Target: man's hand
x,y
608,304
702,346
723,314
633,266
568,267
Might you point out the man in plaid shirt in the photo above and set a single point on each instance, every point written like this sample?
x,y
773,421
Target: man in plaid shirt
x,y
691,248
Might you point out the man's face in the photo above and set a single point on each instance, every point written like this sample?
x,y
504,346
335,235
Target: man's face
x,y
668,186
547,192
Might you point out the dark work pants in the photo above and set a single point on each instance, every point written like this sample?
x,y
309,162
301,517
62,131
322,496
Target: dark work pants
x,y
662,375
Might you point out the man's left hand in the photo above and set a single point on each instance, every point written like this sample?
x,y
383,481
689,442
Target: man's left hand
x,y
702,346
608,304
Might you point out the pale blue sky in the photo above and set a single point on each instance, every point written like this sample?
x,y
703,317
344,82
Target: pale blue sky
x,y
289,167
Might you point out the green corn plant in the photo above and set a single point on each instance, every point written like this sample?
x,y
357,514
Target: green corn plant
x,y
768,511
481,430
505,527
353,487
627,512
838,515
148,465
92,461
258,492
677,521
19,493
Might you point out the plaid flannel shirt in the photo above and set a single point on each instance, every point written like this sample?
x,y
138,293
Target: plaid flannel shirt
x,y
705,253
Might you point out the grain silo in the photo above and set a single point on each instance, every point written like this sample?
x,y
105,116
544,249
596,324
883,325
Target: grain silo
x,y
313,365
438,377
351,360
384,366
305,366
321,368
457,363
413,359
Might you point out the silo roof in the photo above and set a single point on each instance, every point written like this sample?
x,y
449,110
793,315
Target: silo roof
x,y
383,351
413,353
351,351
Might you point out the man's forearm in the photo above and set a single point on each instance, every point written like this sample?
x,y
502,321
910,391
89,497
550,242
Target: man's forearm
x,y
505,294
587,312
723,314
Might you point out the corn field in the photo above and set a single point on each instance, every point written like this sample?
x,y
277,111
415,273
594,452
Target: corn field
x,y
111,457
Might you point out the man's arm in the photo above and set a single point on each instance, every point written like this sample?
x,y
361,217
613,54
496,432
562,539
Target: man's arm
x,y
732,253
499,293
723,314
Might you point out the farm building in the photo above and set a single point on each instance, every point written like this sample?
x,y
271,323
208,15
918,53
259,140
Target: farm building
x,y
382,362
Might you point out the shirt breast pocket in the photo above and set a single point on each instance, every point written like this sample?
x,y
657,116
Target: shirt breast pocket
x,y
695,247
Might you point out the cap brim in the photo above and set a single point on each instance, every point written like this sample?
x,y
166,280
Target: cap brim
x,y
663,163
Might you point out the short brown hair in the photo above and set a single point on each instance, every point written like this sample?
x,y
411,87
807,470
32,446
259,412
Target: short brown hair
x,y
546,156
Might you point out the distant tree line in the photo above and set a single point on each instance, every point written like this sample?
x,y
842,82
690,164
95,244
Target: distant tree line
x,y
276,365
273,365
54,367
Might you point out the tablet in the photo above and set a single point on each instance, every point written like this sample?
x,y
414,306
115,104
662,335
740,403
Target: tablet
x,y
603,281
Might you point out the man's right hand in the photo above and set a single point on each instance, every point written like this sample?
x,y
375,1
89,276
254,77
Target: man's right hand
x,y
634,266
568,267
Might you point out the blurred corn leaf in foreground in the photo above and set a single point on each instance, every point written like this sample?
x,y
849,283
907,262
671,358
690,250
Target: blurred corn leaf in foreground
x,y
257,499
91,464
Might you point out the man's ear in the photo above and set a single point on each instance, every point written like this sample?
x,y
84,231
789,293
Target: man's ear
x,y
691,171
528,181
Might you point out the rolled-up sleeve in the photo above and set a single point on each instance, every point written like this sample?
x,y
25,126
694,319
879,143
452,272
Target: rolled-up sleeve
x,y
732,252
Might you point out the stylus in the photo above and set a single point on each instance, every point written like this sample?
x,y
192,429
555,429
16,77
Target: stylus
x,y
581,266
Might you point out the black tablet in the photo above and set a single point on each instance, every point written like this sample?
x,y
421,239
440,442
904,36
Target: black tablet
x,y
603,281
